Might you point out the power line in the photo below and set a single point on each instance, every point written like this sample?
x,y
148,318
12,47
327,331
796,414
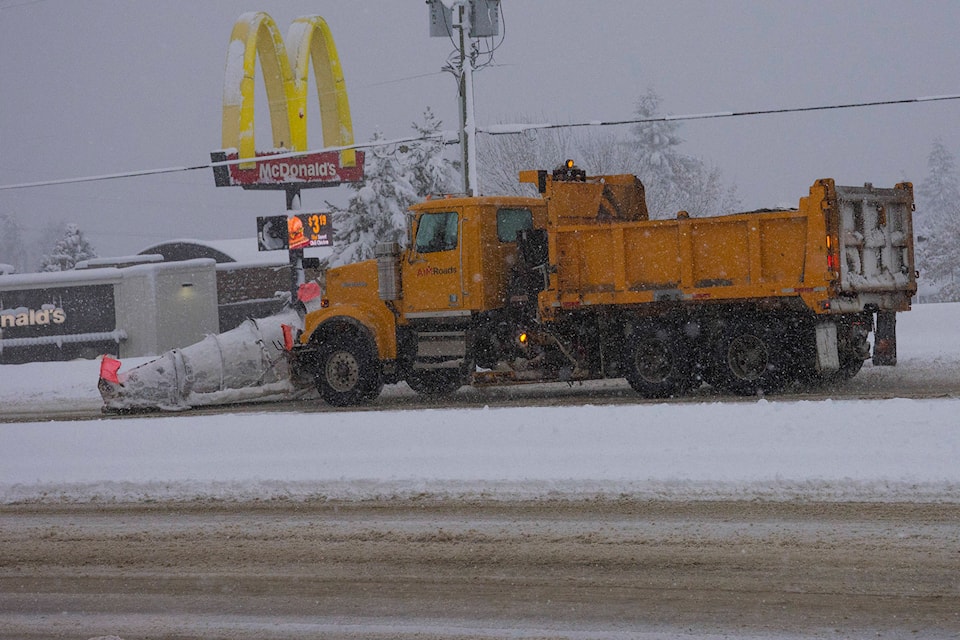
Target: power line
x,y
398,80
509,129
452,137
444,136
21,4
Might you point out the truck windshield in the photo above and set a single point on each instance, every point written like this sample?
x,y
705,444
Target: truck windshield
x,y
510,221
437,232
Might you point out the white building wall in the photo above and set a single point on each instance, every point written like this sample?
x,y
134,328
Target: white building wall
x,y
186,294
166,305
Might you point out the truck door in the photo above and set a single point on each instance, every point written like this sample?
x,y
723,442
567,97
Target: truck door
x,y
433,274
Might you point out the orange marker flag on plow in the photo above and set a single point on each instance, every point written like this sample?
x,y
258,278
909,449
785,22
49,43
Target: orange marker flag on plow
x,y
109,368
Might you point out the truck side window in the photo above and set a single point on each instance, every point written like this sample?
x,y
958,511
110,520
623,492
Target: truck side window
x,y
510,221
437,232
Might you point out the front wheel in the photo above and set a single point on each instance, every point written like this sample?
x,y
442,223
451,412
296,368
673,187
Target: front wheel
x,y
347,374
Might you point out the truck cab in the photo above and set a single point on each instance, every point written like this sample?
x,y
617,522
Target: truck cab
x,y
414,313
460,252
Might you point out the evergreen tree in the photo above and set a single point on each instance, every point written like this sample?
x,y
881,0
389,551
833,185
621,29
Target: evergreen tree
x,y
674,181
938,223
395,177
657,141
431,172
939,193
72,248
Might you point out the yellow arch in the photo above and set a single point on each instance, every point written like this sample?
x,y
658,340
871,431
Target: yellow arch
x,y
314,43
256,33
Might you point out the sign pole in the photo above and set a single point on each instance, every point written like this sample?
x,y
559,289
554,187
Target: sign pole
x,y
297,276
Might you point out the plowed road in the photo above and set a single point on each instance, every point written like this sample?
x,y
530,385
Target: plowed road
x,y
924,381
419,570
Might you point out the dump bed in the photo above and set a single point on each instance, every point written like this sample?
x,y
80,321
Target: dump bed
x,y
844,249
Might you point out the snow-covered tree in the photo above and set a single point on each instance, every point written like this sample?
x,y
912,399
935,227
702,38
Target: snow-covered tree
x,y
502,158
657,141
938,223
13,249
697,189
432,173
673,180
939,193
601,152
72,248
395,177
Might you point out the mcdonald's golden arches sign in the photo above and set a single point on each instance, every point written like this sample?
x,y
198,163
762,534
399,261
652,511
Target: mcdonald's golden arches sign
x,y
285,66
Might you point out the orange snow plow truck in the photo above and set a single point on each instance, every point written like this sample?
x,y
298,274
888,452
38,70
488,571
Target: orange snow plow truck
x,y
579,284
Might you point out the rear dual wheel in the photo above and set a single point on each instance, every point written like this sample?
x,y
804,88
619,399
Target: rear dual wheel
x,y
750,358
658,362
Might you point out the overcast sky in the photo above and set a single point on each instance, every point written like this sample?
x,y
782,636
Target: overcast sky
x,y
92,87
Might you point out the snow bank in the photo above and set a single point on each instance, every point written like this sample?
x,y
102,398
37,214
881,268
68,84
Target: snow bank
x,y
770,449
851,450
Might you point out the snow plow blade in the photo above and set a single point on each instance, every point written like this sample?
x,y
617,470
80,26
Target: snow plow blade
x,y
244,364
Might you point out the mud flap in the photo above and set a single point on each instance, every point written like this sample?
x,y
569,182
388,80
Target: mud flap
x,y
828,355
885,339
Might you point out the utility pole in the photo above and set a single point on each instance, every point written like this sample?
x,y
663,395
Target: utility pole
x,y
463,16
468,122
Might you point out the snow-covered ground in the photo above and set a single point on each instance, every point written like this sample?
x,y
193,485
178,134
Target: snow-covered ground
x,y
898,449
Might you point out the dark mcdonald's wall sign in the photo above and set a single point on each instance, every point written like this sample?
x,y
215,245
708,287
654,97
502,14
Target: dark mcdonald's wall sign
x,y
42,324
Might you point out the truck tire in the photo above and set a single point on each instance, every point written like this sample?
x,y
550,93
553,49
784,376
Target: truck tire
x,y
850,365
435,382
750,359
658,365
347,372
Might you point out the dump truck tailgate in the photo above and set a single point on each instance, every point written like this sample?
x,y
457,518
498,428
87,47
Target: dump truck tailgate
x,y
875,231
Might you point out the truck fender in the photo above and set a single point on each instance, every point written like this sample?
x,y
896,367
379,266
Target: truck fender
x,y
380,327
